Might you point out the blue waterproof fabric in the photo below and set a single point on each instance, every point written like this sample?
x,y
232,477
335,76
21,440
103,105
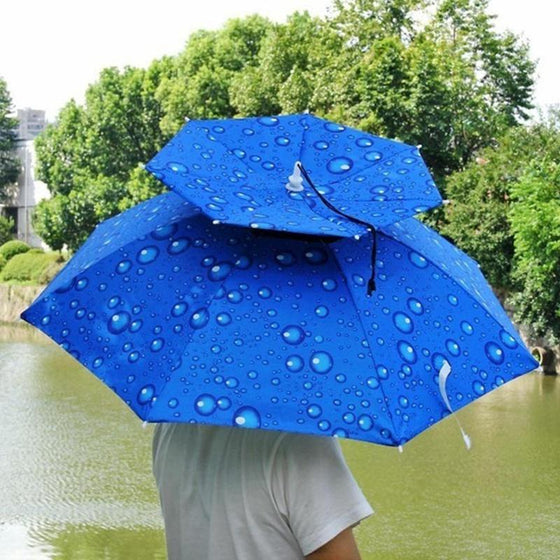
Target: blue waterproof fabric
x,y
188,321
236,171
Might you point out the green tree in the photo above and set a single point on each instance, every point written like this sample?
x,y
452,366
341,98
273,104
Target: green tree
x,y
89,156
63,150
289,64
505,212
535,223
199,85
445,78
477,219
9,164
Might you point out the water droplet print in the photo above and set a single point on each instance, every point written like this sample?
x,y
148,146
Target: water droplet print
x,y
177,167
340,165
199,319
146,394
365,422
179,309
322,311
478,388
220,272
372,382
494,353
164,232
334,127
294,363
268,121
415,306
417,260
508,340
205,404
247,417
329,284
453,347
119,322
285,258
316,256
364,142
113,302
403,322
407,352
321,362
373,156
223,319
178,246
314,411
157,344
147,255
292,334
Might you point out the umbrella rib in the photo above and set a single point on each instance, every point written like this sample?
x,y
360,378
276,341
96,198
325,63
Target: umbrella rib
x,y
302,143
334,253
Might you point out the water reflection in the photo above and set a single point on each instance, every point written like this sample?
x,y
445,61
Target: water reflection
x,y
92,543
77,483
77,461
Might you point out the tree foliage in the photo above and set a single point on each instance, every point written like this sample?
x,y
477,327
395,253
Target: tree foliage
x,y
535,223
89,157
505,212
444,78
9,164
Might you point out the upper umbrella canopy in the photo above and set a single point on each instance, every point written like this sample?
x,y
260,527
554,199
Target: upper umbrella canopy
x,y
245,172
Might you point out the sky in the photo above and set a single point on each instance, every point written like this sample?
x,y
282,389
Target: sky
x,y
51,50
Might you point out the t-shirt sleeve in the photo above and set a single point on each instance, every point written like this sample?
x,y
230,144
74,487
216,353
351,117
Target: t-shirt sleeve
x,y
316,491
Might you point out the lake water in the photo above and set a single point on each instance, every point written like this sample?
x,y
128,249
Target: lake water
x,y
76,478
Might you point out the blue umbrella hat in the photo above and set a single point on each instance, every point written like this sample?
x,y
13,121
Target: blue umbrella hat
x,y
248,172
190,321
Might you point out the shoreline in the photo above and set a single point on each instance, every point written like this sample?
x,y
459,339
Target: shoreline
x,y
14,299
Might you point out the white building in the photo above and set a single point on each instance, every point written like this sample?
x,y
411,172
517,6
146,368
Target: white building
x,y
28,191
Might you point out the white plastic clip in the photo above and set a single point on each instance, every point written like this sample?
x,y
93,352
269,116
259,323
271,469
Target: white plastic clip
x,y
295,180
443,375
144,424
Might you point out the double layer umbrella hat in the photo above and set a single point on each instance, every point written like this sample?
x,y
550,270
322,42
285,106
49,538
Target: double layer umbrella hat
x,y
192,321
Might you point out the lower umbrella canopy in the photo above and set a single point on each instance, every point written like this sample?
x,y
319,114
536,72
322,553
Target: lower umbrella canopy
x,y
189,321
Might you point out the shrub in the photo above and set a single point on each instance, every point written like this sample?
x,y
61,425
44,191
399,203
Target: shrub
x,y
32,267
12,248
3,262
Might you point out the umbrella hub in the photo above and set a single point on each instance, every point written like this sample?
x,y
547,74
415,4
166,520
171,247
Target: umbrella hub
x,y
295,180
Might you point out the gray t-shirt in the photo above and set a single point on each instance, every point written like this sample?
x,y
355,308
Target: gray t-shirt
x,y
232,493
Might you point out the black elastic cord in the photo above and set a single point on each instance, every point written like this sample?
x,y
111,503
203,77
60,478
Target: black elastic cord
x,y
370,227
